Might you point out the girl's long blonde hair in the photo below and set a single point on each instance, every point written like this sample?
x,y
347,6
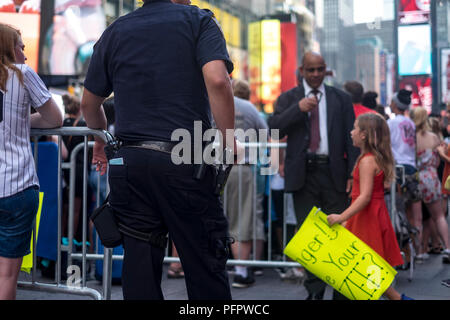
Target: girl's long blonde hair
x,y
420,118
378,142
9,37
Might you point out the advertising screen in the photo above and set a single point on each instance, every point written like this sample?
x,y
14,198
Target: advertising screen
x,y
445,75
414,11
271,61
255,61
422,95
414,48
77,25
289,62
28,25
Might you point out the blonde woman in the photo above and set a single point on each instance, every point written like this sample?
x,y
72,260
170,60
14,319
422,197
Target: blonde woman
x,y
20,89
429,184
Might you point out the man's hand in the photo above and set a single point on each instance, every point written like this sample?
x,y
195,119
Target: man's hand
x,y
307,104
348,189
99,157
281,169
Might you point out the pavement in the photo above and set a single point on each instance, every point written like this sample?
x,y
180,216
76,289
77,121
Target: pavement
x,y
425,284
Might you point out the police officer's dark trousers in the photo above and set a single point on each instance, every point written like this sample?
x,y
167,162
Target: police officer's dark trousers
x,y
151,194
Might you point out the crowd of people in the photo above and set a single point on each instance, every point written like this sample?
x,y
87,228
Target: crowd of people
x,y
343,154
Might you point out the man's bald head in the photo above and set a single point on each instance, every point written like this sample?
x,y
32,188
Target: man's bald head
x,y
312,56
313,69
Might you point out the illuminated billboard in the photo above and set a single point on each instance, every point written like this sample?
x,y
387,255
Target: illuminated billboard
x,y
77,25
445,75
414,48
289,63
422,93
29,25
414,11
264,46
271,61
254,61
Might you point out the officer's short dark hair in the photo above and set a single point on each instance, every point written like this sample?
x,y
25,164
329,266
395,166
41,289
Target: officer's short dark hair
x,y
355,89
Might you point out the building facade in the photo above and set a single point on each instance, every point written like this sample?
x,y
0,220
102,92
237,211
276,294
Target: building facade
x,y
337,43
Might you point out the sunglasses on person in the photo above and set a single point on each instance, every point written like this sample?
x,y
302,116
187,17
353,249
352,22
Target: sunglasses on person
x,y
319,69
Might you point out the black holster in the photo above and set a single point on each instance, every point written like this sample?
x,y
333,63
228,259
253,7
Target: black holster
x,y
106,225
110,231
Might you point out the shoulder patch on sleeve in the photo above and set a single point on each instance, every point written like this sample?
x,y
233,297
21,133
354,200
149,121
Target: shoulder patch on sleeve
x,y
213,18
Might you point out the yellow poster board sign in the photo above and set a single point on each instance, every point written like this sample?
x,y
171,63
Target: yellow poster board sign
x,y
27,262
339,258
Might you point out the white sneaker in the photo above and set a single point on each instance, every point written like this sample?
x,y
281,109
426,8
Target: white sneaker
x,y
293,274
423,256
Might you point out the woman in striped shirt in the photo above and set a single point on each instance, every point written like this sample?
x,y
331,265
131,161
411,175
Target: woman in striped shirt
x,y
20,89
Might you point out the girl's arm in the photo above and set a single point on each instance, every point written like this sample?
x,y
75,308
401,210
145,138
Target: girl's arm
x,y
442,149
367,171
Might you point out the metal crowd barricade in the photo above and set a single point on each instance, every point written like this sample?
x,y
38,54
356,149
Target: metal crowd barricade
x,y
397,222
108,256
58,287
269,263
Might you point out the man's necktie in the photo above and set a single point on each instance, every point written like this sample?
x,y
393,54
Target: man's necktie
x,y
314,125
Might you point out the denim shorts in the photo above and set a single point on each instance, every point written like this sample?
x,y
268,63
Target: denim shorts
x,y
17,214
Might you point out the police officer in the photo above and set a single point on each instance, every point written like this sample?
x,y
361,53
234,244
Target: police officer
x,y
168,67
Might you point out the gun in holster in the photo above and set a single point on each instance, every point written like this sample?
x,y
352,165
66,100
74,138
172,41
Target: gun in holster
x,y
221,179
222,172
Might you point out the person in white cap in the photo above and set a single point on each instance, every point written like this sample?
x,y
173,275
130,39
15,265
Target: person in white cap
x,y
403,141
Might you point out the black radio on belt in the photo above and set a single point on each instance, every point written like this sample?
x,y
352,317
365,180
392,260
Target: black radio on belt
x,y
112,145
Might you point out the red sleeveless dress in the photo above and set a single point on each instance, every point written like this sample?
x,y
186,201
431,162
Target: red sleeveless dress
x,y
373,225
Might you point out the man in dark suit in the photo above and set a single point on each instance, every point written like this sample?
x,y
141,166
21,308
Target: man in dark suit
x,y
320,156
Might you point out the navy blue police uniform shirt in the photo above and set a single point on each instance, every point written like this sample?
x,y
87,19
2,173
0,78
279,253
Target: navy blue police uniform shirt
x,y
152,60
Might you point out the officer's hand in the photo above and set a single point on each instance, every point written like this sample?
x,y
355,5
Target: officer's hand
x,y
307,104
99,157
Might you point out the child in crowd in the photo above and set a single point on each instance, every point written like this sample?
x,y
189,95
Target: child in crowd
x,y
367,217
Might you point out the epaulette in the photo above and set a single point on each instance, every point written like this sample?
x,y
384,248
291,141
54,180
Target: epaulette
x,y
209,11
213,18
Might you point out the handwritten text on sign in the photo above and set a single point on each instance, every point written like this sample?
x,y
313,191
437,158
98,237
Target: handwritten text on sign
x,y
339,258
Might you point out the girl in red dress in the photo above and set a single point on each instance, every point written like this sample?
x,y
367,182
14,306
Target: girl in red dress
x,y
367,217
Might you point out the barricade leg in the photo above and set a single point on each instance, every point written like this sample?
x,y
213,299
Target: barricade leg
x,y
107,273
